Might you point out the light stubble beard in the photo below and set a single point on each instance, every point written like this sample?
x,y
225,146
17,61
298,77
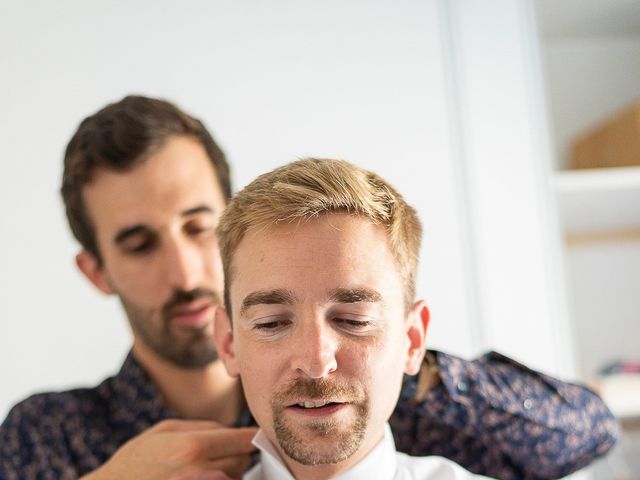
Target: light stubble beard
x,y
196,350
343,439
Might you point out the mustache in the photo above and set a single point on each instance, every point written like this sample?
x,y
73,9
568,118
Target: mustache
x,y
319,389
180,297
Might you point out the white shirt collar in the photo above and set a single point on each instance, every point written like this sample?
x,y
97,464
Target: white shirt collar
x,y
381,462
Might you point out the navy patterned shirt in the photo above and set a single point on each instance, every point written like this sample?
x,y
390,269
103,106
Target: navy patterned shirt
x,y
492,415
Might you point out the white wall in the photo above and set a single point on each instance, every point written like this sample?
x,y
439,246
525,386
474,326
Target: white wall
x,y
605,303
273,80
588,79
381,83
507,170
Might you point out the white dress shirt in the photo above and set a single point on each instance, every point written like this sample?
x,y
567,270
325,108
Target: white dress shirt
x,y
383,463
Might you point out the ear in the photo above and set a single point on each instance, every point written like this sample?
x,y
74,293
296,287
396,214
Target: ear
x,y
90,268
223,336
417,324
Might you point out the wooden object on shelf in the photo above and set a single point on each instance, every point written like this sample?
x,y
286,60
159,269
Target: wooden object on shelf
x,y
616,143
596,238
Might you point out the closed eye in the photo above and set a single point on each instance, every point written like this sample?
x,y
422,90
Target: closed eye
x,y
136,240
199,228
354,326
267,325
353,323
271,326
138,246
142,248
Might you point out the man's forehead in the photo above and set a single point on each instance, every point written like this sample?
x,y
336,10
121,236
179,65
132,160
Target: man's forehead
x,y
337,232
125,207
347,253
122,200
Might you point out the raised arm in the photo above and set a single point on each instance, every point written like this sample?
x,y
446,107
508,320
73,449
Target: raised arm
x,y
36,443
499,418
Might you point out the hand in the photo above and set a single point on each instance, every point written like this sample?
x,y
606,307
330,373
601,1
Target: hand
x,y
181,450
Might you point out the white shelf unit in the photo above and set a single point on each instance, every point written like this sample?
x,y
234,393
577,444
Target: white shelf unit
x,y
591,63
600,218
599,205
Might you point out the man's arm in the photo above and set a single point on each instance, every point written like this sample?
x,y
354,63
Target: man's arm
x,y
184,449
36,442
496,417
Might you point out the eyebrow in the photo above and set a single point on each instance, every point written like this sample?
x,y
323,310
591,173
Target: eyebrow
x,y
354,295
198,209
129,232
267,297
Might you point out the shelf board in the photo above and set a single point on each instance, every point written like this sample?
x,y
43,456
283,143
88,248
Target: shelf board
x,y
621,392
599,204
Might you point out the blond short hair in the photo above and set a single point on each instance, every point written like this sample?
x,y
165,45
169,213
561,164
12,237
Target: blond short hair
x,y
308,188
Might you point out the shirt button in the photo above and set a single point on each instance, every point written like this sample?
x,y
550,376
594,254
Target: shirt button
x,y
462,386
527,404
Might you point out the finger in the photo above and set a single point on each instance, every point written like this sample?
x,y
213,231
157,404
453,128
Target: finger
x,y
233,466
175,425
227,442
211,475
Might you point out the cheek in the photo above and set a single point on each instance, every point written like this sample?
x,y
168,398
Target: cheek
x,y
130,277
258,369
361,364
381,361
260,383
389,370
137,282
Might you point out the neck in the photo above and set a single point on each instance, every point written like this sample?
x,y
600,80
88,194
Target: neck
x,y
194,393
316,472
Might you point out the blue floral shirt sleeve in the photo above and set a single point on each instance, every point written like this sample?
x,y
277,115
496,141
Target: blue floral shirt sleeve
x,y
501,419
65,435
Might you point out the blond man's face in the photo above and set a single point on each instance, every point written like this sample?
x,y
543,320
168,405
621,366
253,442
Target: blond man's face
x,y
320,337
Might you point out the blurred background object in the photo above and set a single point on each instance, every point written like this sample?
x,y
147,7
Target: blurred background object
x,y
591,64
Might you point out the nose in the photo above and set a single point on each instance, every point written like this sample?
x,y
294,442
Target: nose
x,y
183,263
315,350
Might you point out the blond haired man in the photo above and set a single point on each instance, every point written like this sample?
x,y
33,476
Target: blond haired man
x,y
320,260
144,184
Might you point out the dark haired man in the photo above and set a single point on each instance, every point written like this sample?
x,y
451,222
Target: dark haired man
x,y
144,186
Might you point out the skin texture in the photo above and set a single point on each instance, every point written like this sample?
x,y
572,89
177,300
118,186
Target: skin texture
x,y
185,450
155,227
320,317
155,230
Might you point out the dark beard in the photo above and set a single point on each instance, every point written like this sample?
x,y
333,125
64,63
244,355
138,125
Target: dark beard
x,y
196,351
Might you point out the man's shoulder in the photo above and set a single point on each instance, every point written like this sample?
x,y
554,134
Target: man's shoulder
x,y
114,395
431,468
41,409
61,434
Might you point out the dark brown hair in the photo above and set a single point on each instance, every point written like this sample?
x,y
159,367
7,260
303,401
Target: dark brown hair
x,y
119,137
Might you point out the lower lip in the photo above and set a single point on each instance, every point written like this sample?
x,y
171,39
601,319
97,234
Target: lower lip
x,y
325,411
197,318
